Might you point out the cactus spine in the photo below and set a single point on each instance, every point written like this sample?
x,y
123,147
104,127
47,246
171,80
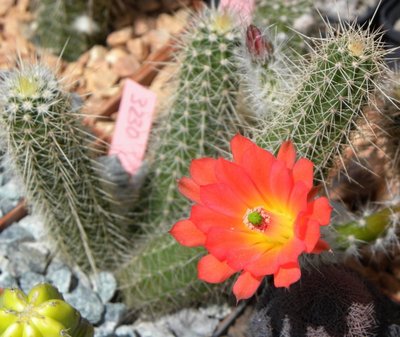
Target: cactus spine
x,y
345,68
41,313
200,122
50,151
70,27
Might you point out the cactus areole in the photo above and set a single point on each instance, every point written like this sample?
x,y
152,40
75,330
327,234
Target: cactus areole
x,y
41,313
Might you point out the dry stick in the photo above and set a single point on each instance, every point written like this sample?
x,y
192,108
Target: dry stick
x,y
14,215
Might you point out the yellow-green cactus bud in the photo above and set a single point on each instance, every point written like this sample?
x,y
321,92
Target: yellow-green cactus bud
x,y
41,313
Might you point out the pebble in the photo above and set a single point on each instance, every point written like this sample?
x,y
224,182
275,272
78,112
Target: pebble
x,y
27,256
61,278
87,302
5,5
120,37
11,190
125,66
191,323
34,225
7,281
105,285
138,49
15,233
127,331
29,280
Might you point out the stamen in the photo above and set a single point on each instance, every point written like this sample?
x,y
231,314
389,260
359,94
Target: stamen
x,y
257,219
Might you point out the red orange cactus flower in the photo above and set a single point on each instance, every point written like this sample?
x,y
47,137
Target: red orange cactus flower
x,y
255,215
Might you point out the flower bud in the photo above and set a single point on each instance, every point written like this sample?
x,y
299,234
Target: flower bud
x,y
258,46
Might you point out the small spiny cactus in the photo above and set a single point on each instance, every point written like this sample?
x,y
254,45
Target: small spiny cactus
x,y
71,27
50,151
345,69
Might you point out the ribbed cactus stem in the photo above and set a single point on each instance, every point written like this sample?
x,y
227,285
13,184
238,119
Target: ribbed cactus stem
x,y
163,277
200,121
368,229
201,117
50,152
345,68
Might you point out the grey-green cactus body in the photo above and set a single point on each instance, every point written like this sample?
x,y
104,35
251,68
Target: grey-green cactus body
x,y
70,27
201,118
50,151
200,121
344,70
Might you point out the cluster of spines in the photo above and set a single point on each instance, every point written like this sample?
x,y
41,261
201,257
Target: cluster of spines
x,y
344,70
200,121
71,27
50,151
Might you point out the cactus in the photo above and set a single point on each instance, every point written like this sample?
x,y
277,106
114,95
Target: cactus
x,y
329,302
41,313
200,121
70,27
163,277
201,117
50,152
344,70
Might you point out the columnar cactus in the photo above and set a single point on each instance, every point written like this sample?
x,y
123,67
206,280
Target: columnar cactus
x,y
70,27
344,70
201,117
50,151
200,121
41,313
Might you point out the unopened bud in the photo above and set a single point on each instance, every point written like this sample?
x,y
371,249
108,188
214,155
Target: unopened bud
x,y
258,46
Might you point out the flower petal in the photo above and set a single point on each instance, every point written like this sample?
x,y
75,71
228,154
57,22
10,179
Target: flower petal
x,y
206,218
287,154
303,170
237,178
211,270
221,198
321,246
224,243
281,184
265,264
320,210
287,275
291,251
308,230
246,285
189,189
202,171
239,146
187,234
298,198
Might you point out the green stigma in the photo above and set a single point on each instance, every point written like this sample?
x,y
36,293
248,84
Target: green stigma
x,y
255,218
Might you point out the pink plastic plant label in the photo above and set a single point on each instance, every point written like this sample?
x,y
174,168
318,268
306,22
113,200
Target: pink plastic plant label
x,y
243,8
133,125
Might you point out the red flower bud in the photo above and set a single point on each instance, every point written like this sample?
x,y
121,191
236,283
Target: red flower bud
x,y
258,46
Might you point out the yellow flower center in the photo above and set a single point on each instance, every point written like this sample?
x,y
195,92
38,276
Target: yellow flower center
x,y
257,219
